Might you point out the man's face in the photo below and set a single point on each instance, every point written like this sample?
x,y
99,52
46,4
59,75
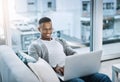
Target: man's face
x,y
46,30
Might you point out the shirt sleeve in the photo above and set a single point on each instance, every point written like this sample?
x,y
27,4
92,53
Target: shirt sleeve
x,y
32,51
67,49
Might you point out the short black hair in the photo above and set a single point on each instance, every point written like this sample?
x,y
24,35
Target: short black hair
x,y
44,19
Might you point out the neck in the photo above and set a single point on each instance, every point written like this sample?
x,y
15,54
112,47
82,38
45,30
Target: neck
x,y
48,39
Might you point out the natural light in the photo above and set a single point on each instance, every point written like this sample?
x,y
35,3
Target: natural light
x,y
1,19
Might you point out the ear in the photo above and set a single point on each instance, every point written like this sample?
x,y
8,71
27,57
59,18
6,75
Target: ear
x,y
39,29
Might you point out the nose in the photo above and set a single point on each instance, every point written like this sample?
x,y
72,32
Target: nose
x,y
48,31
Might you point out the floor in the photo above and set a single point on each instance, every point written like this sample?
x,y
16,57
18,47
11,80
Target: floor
x,y
106,66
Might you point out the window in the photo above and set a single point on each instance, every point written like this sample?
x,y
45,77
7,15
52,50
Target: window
x,y
111,30
85,6
66,20
71,21
109,5
2,34
49,4
85,32
118,7
110,22
104,5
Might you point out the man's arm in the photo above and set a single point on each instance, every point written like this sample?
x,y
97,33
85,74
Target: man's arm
x,y
32,51
67,49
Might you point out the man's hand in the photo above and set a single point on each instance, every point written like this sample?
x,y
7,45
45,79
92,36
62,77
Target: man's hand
x,y
59,70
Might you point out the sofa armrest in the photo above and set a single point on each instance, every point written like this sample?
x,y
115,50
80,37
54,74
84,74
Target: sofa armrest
x,y
12,69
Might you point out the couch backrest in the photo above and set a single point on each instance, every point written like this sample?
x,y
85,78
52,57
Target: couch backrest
x,y
12,69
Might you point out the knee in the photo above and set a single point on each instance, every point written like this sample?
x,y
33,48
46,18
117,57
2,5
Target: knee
x,y
103,77
106,78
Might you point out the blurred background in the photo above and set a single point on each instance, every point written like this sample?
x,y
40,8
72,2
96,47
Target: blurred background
x,y
71,21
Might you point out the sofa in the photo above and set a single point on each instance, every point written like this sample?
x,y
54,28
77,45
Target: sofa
x,y
20,67
12,69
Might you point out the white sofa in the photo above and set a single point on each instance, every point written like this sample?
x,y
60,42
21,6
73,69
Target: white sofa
x,y
12,69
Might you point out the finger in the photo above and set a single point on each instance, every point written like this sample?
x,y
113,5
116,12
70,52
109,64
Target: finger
x,y
62,72
61,69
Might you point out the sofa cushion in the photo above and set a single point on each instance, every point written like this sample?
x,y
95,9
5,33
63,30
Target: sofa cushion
x,y
43,71
25,57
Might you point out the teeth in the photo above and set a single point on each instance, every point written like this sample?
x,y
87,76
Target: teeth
x,y
48,34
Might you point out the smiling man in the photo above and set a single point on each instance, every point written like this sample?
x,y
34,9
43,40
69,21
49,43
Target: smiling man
x,y
54,51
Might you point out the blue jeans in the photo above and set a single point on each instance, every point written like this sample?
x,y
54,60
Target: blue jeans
x,y
97,77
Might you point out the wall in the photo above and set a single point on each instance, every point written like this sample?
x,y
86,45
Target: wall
x,y
73,7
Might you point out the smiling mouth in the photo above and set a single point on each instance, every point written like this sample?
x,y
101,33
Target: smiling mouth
x,y
48,35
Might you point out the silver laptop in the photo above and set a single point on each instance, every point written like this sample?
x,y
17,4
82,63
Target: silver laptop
x,y
80,65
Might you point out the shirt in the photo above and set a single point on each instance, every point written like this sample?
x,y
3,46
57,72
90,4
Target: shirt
x,y
55,52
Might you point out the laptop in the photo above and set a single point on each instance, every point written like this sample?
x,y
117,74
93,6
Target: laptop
x,y
80,65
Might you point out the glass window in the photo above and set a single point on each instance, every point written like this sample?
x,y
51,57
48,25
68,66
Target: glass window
x,y
70,22
85,6
118,7
2,35
111,30
110,21
49,4
110,5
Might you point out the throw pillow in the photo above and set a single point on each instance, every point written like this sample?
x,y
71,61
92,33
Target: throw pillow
x,y
25,57
43,71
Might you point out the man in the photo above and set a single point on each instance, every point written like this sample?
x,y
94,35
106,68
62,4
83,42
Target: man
x,y
54,52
